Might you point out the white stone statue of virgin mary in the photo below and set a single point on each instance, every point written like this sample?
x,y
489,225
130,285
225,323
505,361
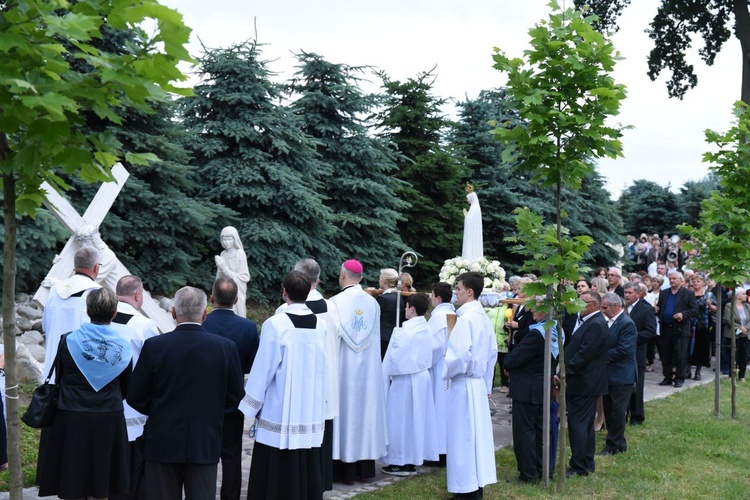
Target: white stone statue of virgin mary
x,y
473,247
232,263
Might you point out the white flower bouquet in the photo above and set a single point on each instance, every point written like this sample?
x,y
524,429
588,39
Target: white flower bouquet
x,y
493,272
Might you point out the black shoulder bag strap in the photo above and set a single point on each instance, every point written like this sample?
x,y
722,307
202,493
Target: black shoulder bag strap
x,y
56,363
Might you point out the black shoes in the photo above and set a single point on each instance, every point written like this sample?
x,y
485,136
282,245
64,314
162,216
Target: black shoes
x,y
666,381
678,383
400,470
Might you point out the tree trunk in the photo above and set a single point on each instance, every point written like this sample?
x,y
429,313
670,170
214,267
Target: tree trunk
x,y
562,437
742,23
9,324
718,335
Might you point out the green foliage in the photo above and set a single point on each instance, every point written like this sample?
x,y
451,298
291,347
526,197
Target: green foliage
x,y
692,194
676,27
45,98
558,257
433,174
590,211
37,243
160,227
647,207
565,95
358,183
724,228
255,159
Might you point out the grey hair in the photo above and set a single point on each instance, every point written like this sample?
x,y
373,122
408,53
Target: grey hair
x,y
308,267
390,276
86,258
612,299
190,304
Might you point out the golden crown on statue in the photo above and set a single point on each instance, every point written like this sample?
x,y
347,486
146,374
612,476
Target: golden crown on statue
x,y
469,187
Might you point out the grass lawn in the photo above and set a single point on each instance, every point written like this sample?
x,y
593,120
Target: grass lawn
x,y
682,451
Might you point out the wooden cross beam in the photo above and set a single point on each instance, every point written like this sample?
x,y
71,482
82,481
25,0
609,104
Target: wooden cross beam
x,y
111,269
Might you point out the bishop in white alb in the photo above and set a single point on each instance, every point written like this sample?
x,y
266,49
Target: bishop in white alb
x,y
359,431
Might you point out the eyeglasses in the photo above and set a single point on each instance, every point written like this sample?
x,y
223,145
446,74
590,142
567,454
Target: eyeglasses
x,y
612,274
590,301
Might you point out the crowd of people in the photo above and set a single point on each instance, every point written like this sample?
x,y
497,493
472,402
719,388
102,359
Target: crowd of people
x,y
609,346
149,416
335,385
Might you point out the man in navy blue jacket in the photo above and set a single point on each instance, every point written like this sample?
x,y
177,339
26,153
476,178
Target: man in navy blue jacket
x,y
223,321
621,372
185,381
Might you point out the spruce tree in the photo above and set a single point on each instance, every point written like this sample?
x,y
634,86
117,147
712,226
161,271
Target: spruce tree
x,y
433,174
255,159
359,183
160,227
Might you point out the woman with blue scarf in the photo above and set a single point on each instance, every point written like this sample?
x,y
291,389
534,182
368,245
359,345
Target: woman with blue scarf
x,y
87,456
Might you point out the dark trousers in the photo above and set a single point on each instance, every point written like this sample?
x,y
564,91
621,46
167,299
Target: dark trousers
x,y
503,377
165,481
741,356
528,422
231,456
636,407
726,349
674,352
615,414
326,453
581,414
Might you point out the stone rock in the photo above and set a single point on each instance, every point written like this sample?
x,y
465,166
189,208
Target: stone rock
x,y
23,324
29,312
37,326
22,297
32,337
28,367
36,352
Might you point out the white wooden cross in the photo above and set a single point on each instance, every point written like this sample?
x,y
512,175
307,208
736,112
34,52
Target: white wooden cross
x,y
62,267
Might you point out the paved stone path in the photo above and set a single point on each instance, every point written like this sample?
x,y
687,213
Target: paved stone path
x,y
501,423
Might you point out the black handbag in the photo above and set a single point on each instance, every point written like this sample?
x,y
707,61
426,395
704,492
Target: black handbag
x,y
43,404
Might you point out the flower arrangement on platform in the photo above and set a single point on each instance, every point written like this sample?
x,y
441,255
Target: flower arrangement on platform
x,y
493,272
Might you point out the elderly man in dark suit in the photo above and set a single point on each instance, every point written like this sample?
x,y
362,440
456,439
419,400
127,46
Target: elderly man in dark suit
x,y
676,309
643,316
223,321
185,381
586,372
621,372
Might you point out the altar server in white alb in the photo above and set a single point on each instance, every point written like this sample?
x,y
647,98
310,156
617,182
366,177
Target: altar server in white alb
x,y
359,431
319,306
410,407
438,323
470,358
285,392
65,309
135,328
